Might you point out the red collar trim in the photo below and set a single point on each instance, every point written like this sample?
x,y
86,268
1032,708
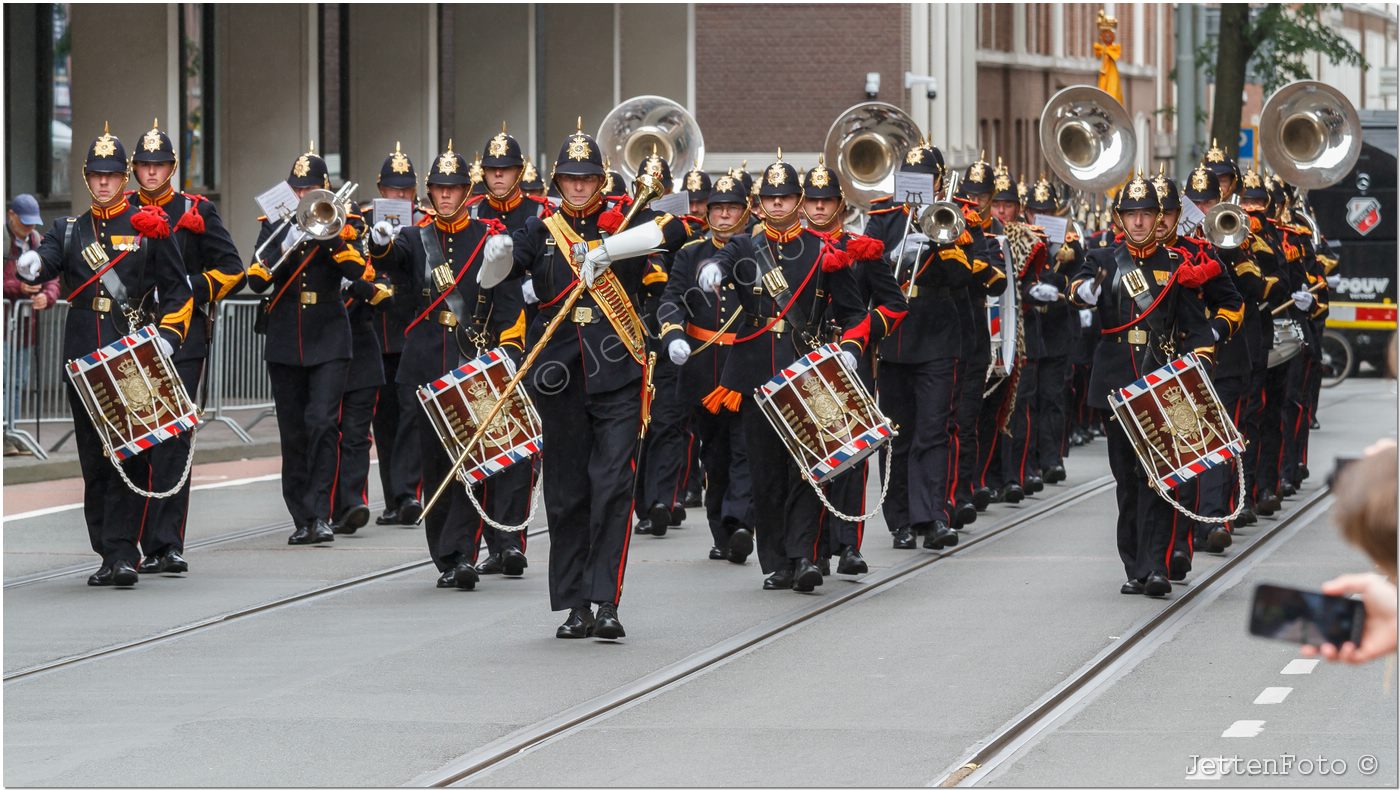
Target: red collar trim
x,y
508,203
454,225
1141,253
783,236
159,200
112,211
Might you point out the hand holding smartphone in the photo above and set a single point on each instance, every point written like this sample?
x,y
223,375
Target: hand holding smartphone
x,y
1305,617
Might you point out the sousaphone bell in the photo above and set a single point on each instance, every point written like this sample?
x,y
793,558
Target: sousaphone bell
x,y
636,127
865,146
1087,138
1310,134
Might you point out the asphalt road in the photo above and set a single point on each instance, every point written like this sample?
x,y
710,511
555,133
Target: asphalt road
x,y
385,682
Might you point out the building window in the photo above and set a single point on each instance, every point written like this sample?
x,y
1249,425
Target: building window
x,y
56,46
334,120
194,135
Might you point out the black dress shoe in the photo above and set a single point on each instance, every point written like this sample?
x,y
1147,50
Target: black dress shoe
x,y
904,538
410,510
939,536
717,553
301,537
981,498
806,576
1012,493
780,580
1218,539
1035,484
1131,587
607,626
513,562
1268,504
321,532
448,579
1286,489
103,577
352,520
677,515
740,545
1246,517
852,563
123,575
149,564
660,517
1303,473
172,562
1055,474
389,516
578,625
491,565
1156,585
466,576
643,527
964,514
694,499
824,565
1179,566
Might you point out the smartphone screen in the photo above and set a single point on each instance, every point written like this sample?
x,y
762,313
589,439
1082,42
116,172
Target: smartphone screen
x,y
1308,618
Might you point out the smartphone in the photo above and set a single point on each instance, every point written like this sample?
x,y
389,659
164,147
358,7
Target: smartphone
x,y
1304,617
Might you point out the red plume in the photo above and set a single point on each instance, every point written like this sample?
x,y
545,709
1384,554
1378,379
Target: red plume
x,y
609,221
151,222
834,259
191,221
1194,275
864,248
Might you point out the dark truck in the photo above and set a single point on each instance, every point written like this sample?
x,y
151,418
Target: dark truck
x,y
1357,218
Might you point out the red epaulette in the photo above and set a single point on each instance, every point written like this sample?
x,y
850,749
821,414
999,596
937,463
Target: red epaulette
x,y
882,199
887,209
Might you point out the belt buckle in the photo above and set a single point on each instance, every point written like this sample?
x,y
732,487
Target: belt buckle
x,y
102,304
780,326
447,318
583,315
307,297
1137,337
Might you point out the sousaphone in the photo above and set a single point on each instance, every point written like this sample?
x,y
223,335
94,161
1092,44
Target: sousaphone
x,y
1087,139
636,127
865,146
1310,134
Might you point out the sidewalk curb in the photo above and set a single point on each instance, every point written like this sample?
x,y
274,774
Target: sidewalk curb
x,y
58,470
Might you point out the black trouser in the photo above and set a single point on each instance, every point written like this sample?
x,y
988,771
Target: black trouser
x,y
1005,457
115,514
1251,410
352,478
165,522
1219,486
589,477
919,399
505,496
1145,521
395,436
972,381
308,419
1048,410
1297,413
847,494
665,450
1273,438
726,462
451,526
787,512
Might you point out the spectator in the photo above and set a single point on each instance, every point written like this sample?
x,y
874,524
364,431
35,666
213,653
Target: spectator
x,y
21,234
1366,512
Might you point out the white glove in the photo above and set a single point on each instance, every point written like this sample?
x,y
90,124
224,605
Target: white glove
x,y
679,350
28,264
294,237
1088,293
527,288
383,232
1303,299
1044,292
595,262
710,277
164,346
1334,281
851,360
1086,318
914,246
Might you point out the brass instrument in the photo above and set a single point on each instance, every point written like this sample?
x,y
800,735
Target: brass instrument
x,y
1087,138
1226,225
320,215
865,146
636,127
1310,134
943,221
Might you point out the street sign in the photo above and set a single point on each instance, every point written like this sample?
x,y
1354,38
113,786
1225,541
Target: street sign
x,y
1246,144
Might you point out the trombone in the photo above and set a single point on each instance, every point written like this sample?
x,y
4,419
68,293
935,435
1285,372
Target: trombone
x,y
320,215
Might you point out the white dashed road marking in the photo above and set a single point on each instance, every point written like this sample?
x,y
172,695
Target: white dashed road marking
x,y
1272,695
1300,666
1245,728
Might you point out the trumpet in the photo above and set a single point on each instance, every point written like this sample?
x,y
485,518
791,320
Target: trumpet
x,y
320,215
943,221
1226,225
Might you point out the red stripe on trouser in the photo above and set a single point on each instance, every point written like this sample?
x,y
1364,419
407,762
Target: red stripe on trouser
x,y
1170,544
335,479
627,522
955,448
860,525
1026,448
146,508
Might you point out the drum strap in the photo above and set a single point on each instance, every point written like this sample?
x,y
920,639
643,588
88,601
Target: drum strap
x,y
771,275
433,257
1131,279
107,272
607,291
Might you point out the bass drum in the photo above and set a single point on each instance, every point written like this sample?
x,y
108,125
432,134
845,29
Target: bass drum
x,y
1288,341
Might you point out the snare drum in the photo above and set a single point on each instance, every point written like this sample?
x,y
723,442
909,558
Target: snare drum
x,y
824,415
1176,423
132,394
1288,341
456,404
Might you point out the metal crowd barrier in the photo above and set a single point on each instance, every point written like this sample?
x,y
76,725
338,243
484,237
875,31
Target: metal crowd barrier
x,y
34,383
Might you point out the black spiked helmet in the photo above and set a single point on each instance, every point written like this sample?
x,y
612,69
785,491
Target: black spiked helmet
x,y
728,188
1004,187
1202,186
923,158
697,183
397,171
530,179
615,184
155,146
579,155
821,181
979,177
502,150
1043,199
658,168
1254,186
309,171
1137,194
1220,163
1168,193
106,154
779,178
450,169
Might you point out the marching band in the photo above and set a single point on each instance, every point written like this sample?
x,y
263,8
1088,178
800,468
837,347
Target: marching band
x,y
765,339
